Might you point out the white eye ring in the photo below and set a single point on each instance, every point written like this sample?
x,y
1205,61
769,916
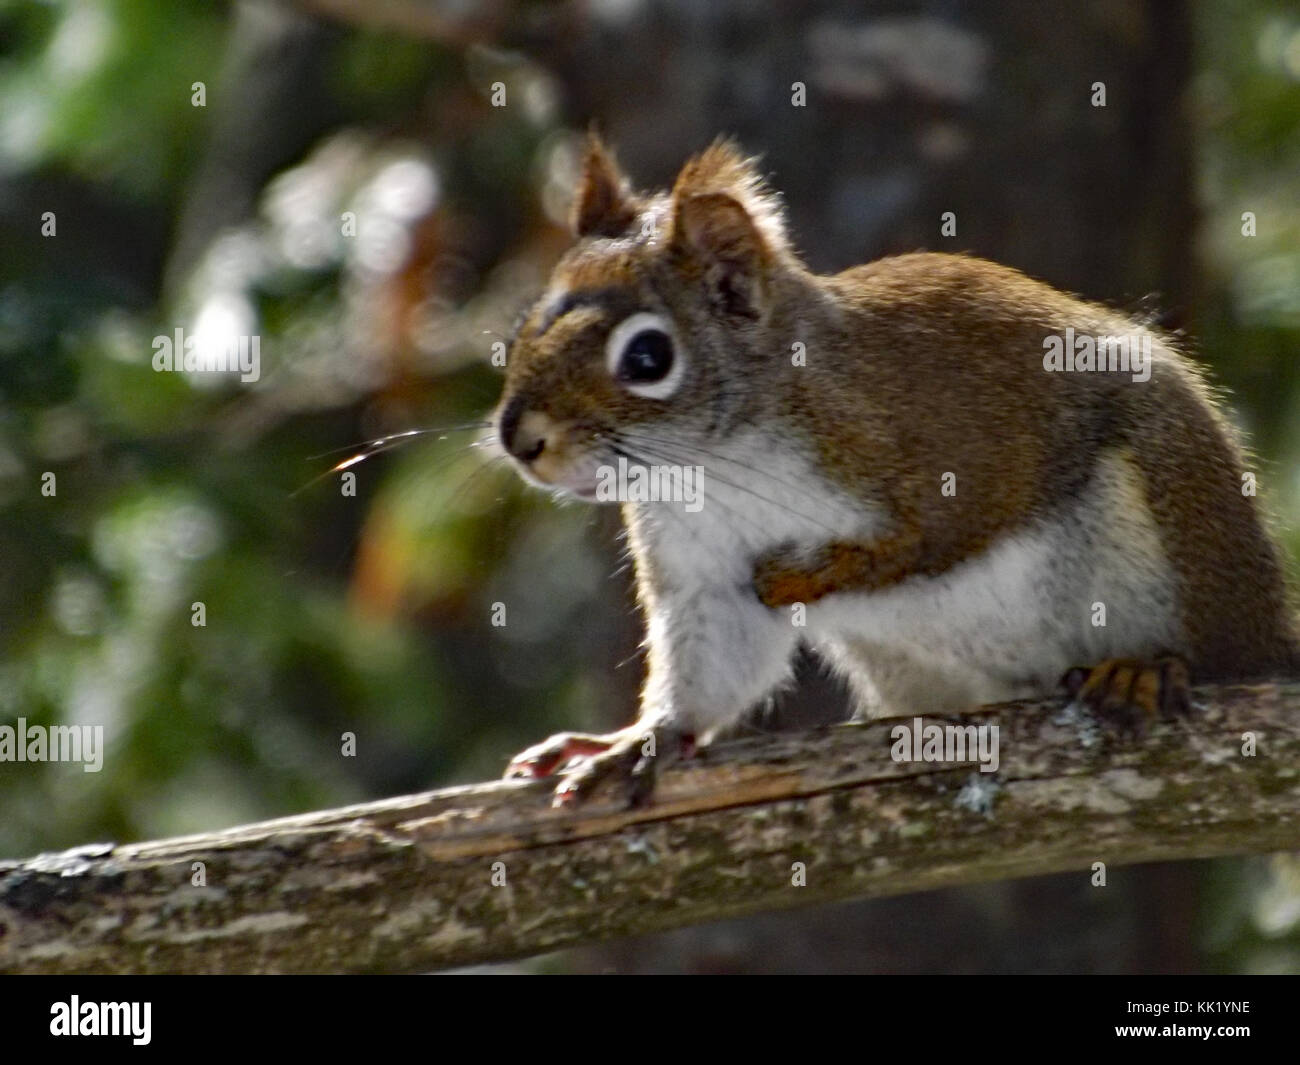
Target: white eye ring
x,y
619,338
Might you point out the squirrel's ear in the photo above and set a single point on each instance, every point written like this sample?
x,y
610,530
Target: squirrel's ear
x,y
716,230
604,205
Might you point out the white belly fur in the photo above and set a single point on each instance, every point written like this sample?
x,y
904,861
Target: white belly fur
x,y
1010,623
1004,625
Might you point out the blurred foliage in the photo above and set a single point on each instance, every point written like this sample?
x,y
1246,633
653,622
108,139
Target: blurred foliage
x,y
327,613
322,613
1247,95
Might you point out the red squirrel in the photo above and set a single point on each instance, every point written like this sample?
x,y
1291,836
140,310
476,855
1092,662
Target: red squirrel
x,y
915,467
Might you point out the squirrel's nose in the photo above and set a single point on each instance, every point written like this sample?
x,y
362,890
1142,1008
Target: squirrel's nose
x,y
524,441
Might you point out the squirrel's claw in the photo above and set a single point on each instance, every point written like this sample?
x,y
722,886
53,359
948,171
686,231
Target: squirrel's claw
x,y
1127,693
633,754
622,758
543,759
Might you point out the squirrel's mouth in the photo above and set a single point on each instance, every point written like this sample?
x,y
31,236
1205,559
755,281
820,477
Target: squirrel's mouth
x,y
578,476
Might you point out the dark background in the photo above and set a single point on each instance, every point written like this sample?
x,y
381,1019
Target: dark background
x,y
371,614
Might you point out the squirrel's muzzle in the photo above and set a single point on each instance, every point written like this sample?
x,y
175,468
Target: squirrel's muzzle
x,y
522,432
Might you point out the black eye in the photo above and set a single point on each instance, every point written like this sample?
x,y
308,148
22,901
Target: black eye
x,y
647,357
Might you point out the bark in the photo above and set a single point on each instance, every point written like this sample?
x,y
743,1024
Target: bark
x,y
414,883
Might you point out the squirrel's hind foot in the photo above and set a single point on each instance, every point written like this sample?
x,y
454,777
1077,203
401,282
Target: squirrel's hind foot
x,y
1126,694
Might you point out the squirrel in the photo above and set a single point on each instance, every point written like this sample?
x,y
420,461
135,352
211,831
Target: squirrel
x,y
903,457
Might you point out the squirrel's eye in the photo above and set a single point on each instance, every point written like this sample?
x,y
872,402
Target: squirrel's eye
x,y
642,356
647,357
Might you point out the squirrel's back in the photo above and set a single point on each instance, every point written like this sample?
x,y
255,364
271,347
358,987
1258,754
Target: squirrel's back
x,y
956,359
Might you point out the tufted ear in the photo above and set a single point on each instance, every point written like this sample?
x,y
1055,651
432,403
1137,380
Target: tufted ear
x,y
723,167
717,232
604,205
726,218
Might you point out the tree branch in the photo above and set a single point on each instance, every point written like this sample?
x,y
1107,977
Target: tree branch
x,y
407,884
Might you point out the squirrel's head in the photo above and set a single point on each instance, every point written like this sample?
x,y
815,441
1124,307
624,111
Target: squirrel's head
x,y
655,322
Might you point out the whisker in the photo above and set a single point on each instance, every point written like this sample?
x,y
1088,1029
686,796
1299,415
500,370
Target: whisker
x,y
668,458
691,531
798,489
394,441
792,486
403,435
493,462
682,450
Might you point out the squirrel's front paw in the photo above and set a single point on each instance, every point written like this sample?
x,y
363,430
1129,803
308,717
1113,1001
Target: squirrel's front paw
x,y
543,759
584,761
1126,693
784,576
